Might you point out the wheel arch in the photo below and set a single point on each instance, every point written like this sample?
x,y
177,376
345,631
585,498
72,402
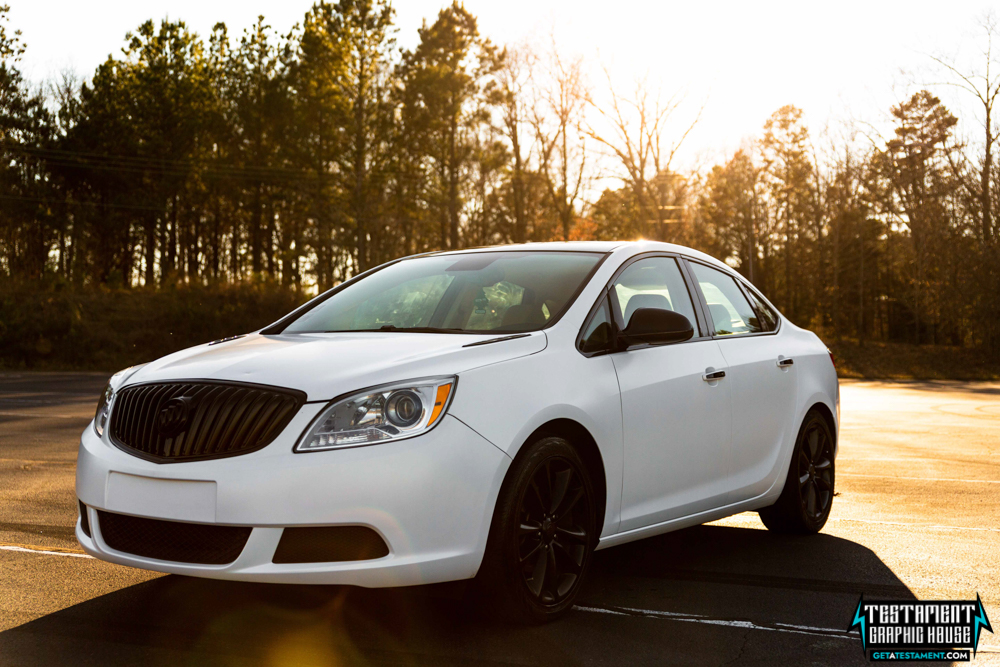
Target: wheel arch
x,y
824,411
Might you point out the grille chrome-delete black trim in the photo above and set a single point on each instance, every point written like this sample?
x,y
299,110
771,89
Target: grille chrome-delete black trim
x,y
226,419
201,543
328,544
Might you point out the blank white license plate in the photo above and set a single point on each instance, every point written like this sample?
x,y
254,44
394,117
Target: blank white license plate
x,y
182,500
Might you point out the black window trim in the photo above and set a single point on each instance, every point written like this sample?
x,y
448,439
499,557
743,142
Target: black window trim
x,y
279,327
740,282
695,296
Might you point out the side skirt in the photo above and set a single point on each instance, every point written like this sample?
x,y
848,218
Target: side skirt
x,y
762,500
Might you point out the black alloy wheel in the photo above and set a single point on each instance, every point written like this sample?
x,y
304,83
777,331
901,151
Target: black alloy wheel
x,y
815,463
553,539
805,502
542,535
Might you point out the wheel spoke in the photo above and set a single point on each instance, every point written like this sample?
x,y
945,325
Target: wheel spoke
x,y
803,480
529,527
824,464
553,565
534,550
538,495
573,534
804,462
559,487
811,500
573,554
568,505
824,483
814,449
538,575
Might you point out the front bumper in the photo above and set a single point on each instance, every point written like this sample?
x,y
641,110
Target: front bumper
x,y
431,499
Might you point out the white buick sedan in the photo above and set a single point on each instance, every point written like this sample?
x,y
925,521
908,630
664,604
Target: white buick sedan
x,y
493,414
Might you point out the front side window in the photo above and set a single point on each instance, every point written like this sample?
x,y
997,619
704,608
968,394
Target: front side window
x,y
467,293
654,282
731,312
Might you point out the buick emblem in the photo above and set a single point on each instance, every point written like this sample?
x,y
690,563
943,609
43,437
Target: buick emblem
x,y
174,415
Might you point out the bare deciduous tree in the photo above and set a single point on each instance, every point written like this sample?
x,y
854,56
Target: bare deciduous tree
x,y
984,85
635,133
557,119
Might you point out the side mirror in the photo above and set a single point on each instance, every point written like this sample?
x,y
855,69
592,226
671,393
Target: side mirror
x,y
656,326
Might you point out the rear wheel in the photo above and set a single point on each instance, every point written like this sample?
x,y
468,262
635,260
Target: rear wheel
x,y
541,537
805,502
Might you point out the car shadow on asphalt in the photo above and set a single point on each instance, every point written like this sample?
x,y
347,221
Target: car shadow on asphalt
x,y
714,572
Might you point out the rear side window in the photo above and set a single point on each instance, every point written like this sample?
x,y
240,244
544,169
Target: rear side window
x,y
768,318
732,314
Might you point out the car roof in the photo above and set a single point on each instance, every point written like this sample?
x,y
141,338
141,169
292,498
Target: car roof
x,y
564,246
626,247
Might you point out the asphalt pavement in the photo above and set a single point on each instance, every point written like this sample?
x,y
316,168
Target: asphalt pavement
x,y
916,516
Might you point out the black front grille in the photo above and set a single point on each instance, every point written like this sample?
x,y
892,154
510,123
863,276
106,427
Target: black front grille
x,y
187,421
205,544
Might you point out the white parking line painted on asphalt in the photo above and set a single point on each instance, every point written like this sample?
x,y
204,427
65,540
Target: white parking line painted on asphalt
x,y
748,625
41,550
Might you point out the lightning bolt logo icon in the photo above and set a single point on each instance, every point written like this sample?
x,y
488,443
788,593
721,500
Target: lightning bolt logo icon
x,y
980,622
860,620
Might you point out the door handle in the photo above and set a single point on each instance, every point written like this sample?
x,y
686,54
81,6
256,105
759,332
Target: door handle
x,y
785,363
711,376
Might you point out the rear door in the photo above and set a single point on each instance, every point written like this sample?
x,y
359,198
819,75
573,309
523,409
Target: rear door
x,y
676,423
762,379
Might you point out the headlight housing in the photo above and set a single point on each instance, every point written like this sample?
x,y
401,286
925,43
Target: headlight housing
x,y
381,414
107,399
103,410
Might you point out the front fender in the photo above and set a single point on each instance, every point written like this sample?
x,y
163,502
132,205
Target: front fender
x,y
507,402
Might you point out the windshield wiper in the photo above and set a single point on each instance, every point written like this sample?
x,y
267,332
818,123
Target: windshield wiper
x,y
393,327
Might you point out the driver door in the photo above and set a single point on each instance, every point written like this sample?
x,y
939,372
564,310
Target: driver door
x,y
677,423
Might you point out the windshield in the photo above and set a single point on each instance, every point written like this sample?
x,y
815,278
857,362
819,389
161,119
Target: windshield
x,y
468,293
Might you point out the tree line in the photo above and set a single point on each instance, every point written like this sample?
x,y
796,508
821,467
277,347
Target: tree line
x,y
304,158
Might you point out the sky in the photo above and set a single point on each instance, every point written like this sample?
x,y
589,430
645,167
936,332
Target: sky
x,y
741,60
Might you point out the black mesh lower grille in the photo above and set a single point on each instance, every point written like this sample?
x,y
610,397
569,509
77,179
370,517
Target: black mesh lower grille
x,y
188,421
205,544
329,544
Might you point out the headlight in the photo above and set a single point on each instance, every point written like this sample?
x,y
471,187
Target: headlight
x,y
108,398
390,412
103,410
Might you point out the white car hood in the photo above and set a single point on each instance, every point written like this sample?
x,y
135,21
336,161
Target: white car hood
x,y
326,365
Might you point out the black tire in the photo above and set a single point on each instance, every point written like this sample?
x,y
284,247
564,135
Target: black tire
x,y
541,538
805,502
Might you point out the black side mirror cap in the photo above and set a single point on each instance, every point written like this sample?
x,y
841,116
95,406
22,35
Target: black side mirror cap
x,y
656,326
